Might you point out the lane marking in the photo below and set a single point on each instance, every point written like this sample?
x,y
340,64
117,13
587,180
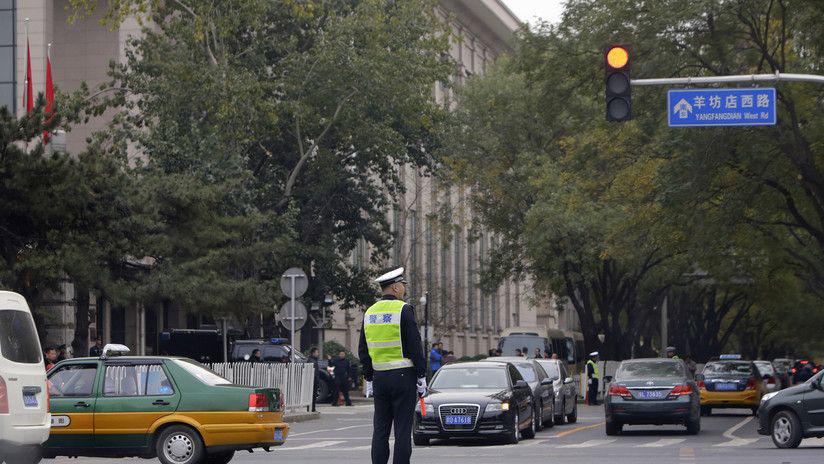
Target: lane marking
x,y
812,442
353,427
589,444
729,433
738,442
578,429
320,444
536,442
662,443
308,433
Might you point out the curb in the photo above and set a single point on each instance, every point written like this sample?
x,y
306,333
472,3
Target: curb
x,y
301,417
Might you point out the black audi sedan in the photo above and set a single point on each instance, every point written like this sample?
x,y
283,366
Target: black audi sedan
x,y
652,392
475,400
794,413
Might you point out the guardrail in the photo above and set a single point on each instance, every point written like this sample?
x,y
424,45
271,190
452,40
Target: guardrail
x,y
295,380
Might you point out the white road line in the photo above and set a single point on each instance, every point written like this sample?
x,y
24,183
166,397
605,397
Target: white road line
x,y
730,432
353,427
812,443
307,433
662,443
588,444
738,442
320,444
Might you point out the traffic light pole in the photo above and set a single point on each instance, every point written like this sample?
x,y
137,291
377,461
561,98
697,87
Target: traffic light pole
x,y
777,77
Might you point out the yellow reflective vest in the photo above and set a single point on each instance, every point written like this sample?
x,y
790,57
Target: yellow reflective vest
x,y
382,330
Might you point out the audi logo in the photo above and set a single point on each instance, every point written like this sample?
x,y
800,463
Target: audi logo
x,y
459,410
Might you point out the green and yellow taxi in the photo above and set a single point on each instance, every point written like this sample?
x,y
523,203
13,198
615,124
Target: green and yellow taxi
x,y
730,382
171,408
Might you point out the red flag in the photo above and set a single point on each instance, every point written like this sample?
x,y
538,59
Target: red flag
x,y
49,95
28,98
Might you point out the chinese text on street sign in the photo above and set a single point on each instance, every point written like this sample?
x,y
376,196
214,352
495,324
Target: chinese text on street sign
x,y
721,107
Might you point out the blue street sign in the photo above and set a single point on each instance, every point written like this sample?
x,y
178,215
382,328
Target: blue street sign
x,y
721,107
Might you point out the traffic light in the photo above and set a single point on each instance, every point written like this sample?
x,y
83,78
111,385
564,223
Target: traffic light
x,y
617,81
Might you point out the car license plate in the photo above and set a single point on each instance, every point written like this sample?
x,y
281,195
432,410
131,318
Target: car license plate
x,y
458,420
30,401
726,386
651,394
278,434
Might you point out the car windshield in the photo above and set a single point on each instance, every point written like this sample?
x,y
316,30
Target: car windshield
x,y
765,368
551,369
527,371
519,342
200,372
470,378
728,368
18,337
650,370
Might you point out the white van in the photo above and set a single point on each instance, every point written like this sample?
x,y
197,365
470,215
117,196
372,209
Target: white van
x,y
24,403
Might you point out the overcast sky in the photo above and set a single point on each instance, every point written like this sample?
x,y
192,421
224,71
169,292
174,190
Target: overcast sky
x,y
528,10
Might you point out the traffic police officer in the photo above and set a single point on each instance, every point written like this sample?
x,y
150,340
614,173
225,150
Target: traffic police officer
x,y
671,353
394,367
592,379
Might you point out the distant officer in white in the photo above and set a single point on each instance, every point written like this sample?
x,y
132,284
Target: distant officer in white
x,y
394,367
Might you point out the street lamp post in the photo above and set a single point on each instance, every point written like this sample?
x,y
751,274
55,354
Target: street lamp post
x,y
425,304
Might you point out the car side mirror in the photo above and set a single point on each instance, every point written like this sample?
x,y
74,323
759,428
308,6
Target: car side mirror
x,y
521,384
699,377
548,381
568,380
608,378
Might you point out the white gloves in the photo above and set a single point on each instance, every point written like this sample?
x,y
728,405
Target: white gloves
x,y
369,391
422,386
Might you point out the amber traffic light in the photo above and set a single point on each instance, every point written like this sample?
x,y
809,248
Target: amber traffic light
x,y
617,83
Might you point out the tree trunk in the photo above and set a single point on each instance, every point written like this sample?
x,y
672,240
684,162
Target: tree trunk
x,y
80,343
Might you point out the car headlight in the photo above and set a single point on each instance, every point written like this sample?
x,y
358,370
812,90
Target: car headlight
x,y
768,396
497,407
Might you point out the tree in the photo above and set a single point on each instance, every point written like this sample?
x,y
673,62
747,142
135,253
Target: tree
x,y
289,117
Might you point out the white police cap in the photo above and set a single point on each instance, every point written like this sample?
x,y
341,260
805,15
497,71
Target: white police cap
x,y
593,354
391,277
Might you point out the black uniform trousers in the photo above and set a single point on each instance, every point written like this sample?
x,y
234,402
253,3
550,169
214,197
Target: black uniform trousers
x,y
395,396
592,389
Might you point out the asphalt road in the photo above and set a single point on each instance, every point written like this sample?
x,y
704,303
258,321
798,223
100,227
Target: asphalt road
x,y
342,436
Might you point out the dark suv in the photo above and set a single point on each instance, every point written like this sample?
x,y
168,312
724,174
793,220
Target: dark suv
x,y
793,414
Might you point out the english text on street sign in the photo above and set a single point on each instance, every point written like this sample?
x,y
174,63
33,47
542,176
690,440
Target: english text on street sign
x,y
301,282
721,107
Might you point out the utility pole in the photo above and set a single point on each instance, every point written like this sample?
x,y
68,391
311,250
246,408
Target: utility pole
x,y
664,328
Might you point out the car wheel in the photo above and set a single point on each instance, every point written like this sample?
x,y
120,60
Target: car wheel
x,y
706,411
533,427
179,444
420,440
573,416
220,458
786,430
694,426
551,421
559,419
515,434
613,428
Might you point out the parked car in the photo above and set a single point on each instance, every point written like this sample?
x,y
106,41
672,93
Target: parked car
x,y
566,395
652,391
24,413
793,414
476,400
156,406
730,383
543,391
278,350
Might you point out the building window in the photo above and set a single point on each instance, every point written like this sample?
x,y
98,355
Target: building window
x,y
8,67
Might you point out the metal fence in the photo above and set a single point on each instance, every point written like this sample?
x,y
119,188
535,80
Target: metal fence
x,y
295,380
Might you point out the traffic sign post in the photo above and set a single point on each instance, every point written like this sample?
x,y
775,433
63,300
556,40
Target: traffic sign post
x,y
721,107
294,284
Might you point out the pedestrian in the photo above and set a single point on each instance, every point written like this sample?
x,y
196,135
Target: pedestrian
x,y
449,358
592,379
62,353
518,352
538,354
671,353
314,359
435,357
343,378
256,356
554,356
690,365
97,349
50,357
394,367
498,352
525,352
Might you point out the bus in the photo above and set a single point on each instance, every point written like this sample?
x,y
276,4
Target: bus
x,y
567,344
